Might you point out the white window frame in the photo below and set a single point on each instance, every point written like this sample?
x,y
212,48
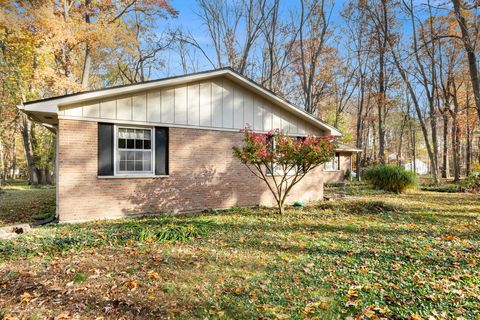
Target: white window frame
x,y
336,160
115,152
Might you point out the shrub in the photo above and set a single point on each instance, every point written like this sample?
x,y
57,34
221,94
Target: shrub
x,y
390,178
472,182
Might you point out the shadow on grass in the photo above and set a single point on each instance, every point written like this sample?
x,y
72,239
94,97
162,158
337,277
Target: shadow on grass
x,y
61,238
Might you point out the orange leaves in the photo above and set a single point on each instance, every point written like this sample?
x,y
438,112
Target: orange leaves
x,y
132,284
448,238
153,275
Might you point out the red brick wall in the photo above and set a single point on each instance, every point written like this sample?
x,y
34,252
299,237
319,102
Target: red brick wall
x,y
203,175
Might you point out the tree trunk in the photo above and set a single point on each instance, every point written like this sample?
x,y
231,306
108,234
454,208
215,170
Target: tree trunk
x,y
381,109
445,169
3,177
26,130
469,45
456,149
359,126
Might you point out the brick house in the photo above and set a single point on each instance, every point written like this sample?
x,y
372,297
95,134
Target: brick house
x,y
166,146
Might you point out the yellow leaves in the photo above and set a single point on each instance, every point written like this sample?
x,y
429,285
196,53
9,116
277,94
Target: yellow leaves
x,y
448,238
239,290
352,293
153,275
25,297
314,306
374,312
416,317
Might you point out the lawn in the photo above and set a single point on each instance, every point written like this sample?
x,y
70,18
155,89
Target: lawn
x,y
413,256
21,203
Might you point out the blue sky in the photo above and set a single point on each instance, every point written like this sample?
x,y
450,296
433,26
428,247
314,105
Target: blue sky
x,y
189,22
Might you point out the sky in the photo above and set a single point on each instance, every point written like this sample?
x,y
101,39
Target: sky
x,y
189,22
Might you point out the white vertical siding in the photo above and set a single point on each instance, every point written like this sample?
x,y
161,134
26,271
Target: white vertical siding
x,y
91,110
267,117
206,104
258,114
168,106
74,111
217,103
300,127
108,109
124,108
227,111
238,122
153,106
293,124
181,105
276,123
139,107
284,123
193,94
248,109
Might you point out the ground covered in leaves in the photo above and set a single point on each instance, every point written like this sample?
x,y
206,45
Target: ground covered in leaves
x,y
413,256
21,203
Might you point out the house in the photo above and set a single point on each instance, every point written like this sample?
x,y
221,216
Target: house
x,y
166,145
337,169
420,167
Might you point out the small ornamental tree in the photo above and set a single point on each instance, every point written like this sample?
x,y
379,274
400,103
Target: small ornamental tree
x,y
282,161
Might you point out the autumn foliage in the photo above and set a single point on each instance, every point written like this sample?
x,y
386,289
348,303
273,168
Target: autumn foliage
x,y
282,161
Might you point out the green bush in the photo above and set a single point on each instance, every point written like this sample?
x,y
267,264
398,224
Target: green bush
x,y
390,178
472,182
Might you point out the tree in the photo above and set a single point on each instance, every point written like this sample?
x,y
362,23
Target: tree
x,y
313,35
282,161
224,21
469,42
54,47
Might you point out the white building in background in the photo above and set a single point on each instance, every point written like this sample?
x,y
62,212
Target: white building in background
x,y
420,167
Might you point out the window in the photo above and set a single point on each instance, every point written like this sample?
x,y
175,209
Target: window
x,y
134,150
333,164
275,169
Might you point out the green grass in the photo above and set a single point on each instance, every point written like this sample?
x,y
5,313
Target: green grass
x,y
394,256
21,203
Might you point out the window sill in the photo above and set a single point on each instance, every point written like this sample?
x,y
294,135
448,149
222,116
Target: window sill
x,y
132,176
331,170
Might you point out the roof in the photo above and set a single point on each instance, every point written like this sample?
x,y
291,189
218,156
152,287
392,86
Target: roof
x,y
347,148
44,109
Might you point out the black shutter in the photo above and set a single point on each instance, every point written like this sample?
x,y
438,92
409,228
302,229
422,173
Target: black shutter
x,y
105,149
161,151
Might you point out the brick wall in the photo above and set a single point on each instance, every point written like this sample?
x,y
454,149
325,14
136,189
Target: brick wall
x,y
203,175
